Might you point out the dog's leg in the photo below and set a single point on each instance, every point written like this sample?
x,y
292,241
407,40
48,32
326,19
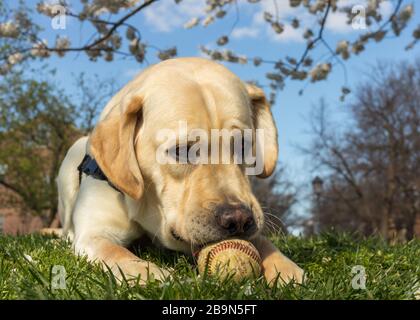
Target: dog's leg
x,y
103,230
275,264
58,232
120,260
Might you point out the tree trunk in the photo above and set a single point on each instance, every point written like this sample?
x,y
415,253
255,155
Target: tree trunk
x,y
417,226
384,225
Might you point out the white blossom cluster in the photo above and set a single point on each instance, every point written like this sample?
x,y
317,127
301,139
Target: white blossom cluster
x,y
277,26
320,72
215,9
224,55
137,49
289,67
46,9
10,62
398,23
343,49
40,49
15,58
192,23
9,30
23,34
167,54
61,44
99,7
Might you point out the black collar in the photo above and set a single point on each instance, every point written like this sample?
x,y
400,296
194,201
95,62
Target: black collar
x,y
90,167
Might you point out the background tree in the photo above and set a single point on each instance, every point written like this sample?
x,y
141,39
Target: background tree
x,y
114,33
372,167
38,123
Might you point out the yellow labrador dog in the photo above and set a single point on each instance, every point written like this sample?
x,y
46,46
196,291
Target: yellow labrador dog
x,y
180,206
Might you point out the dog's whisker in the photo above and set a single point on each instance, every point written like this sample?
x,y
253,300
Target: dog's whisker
x,y
273,226
270,226
275,217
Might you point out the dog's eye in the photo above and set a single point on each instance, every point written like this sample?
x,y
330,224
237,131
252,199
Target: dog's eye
x,y
180,152
243,152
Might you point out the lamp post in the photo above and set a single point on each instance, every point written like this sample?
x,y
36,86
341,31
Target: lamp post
x,y
317,188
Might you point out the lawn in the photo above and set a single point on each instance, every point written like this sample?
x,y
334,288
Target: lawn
x,y
392,272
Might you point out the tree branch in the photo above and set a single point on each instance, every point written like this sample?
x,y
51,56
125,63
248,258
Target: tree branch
x,y
317,39
115,26
11,188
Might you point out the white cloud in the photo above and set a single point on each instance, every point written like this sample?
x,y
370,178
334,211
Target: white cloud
x,y
386,8
337,23
167,15
280,8
289,34
245,32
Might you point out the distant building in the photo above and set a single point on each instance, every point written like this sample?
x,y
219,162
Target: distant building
x,y
13,218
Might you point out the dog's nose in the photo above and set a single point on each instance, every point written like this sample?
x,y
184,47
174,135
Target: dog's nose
x,y
237,220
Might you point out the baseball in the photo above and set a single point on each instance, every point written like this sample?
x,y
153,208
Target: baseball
x,y
234,258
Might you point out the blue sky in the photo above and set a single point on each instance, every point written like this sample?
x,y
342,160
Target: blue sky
x,y
162,26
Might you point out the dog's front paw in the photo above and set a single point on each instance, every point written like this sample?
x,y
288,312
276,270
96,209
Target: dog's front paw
x,y
144,270
280,267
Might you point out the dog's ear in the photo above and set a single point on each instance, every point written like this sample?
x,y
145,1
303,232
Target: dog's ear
x,y
112,146
263,119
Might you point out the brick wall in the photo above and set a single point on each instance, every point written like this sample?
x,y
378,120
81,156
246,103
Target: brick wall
x,y
12,214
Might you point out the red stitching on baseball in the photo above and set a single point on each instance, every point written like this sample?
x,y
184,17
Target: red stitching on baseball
x,y
249,249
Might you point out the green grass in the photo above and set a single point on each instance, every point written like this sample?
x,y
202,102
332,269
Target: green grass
x,y
393,272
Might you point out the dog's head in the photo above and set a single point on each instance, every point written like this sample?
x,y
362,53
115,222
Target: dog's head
x,y
186,204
